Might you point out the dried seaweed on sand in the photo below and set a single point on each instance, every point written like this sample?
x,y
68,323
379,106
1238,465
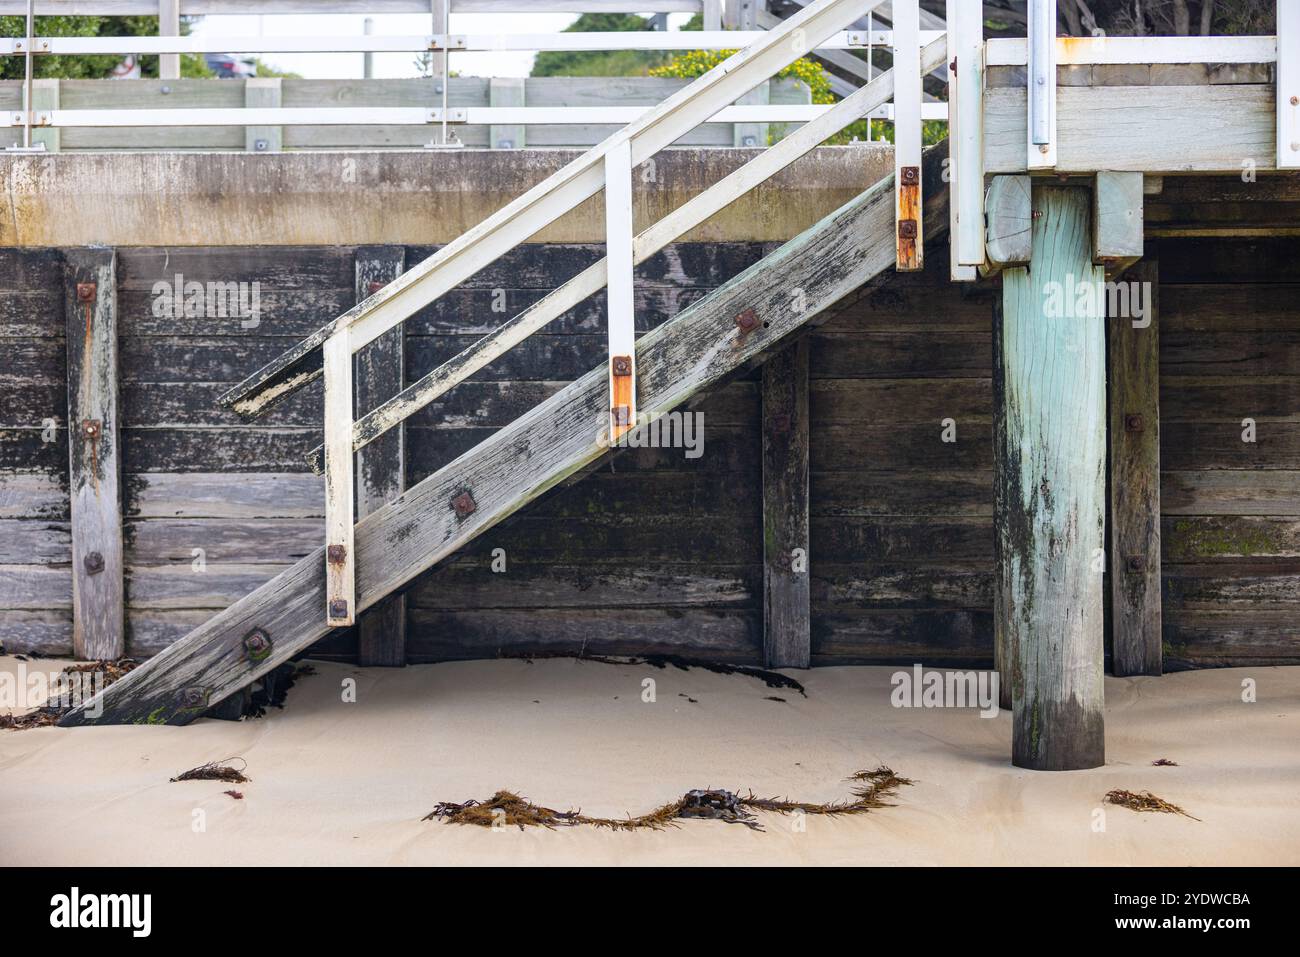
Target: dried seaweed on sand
x,y
216,771
772,679
94,674
1145,801
507,808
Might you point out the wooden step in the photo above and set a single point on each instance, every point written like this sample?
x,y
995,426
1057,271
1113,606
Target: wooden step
x,y
734,326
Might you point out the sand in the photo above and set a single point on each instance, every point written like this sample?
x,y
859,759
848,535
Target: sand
x,y
348,783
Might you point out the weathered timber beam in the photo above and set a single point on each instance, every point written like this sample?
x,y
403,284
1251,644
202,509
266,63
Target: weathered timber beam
x,y
1117,221
1134,381
94,454
1009,217
786,588
558,438
1050,455
381,466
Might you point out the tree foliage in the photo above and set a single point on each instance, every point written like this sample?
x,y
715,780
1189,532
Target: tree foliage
x,y
87,67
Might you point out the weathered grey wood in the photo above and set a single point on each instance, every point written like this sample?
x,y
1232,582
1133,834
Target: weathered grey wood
x,y
1051,459
1117,221
262,92
1134,404
45,96
1008,214
1230,492
94,453
33,495
381,466
516,465
785,508
188,495
169,25
1179,128
506,91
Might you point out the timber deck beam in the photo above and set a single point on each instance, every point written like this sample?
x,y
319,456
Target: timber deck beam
x,y
560,437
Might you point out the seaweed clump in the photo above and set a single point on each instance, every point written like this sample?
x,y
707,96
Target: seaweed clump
x,y
1145,801
507,808
100,674
216,771
773,679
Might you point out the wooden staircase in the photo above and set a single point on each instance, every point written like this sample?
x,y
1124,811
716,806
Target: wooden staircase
x,y
735,326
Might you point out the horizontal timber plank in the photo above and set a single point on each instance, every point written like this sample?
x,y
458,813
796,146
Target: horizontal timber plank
x,y
1187,446
1229,538
214,495
36,587
1230,492
863,354
844,587
278,541
45,634
34,496
911,493
182,586
902,637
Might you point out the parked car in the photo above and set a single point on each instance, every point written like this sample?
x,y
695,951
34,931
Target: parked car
x,y
226,65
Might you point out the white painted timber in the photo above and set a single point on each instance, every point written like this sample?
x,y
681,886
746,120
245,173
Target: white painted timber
x,y
621,310
1082,51
339,489
686,217
966,137
1288,84
907,133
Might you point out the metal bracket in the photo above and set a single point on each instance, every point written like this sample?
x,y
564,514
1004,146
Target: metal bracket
x,y
907,229
446,41
453,116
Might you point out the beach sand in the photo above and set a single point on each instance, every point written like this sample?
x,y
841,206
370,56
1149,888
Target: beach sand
x,y
348,783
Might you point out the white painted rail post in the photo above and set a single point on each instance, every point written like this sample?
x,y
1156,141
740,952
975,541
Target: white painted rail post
x,y
622,325
966,138
1288,84
712,15
1041,79
340,560
169,25
907,134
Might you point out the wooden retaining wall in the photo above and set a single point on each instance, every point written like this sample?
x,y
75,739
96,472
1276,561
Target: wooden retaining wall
x,y
655,552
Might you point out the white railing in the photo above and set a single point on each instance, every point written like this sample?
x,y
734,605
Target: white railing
x,y
609,167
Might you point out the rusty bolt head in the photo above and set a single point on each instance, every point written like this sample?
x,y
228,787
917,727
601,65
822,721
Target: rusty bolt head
x,y
1136,563
779,422
747,321
93,563
194,697
338,609
911,175
85,292
1295,101
622,415
622,365
257,644
336,554
907,229
90,428
464,504
1133,422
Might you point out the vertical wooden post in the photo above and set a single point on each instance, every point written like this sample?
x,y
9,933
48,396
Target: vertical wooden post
x,y
381,465
1135,479
262,92
1051,461
619,230
169,25
441,10
340,550
1288,84
786,641
907,136
94,458
45,97
712,14
506,91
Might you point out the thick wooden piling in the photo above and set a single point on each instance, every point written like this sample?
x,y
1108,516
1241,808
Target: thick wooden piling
x,y
1051,460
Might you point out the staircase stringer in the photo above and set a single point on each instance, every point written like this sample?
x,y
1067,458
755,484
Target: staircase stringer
x,y
696,349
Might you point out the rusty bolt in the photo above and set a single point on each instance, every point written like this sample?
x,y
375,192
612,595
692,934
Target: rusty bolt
x,y
1133,422
907,229
911,175
194,697
85,292
953,65
90,428
338,609
780,422
622,365
622,415
1136,563
747,321
336,554
94,563
464,504
375,286
1295,101
257,644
